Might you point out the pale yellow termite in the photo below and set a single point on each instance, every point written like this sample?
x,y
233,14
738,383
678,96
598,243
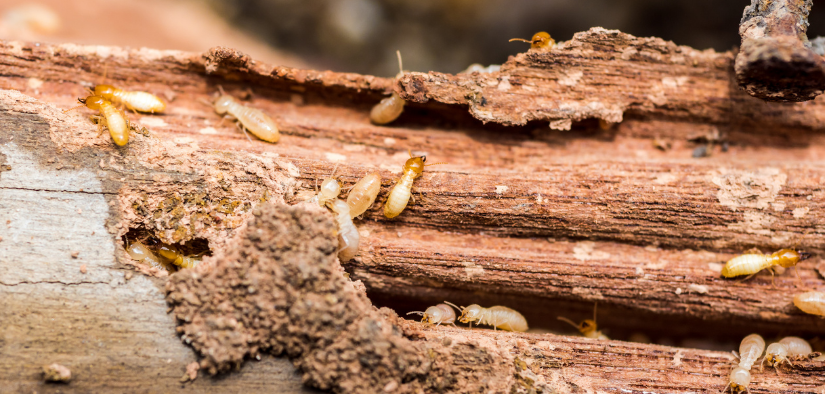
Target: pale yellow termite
x,y
140,252
363,194
540,40
330,189
751,263
500,317
249,119
812,302
439,314
136,101
390,108
114,118
587,327
401,192
171,254
348,237
782,351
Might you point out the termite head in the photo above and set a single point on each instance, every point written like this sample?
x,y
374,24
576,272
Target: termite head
x,y
92,102
776,353
585,327
330,188
540,40
415,164
222,104
789,257
471,313
740,378
105,91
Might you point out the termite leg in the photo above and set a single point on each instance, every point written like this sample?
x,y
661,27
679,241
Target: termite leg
x,y
243,129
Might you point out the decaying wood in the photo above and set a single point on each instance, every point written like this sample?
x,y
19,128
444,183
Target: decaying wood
x,y
520,213
776,61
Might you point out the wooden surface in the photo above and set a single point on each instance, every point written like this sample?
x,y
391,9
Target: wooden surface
x,y
522,214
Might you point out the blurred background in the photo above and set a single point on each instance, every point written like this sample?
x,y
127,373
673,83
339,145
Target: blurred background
x,y
362,35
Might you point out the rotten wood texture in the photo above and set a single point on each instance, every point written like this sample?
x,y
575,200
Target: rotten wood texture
x,y
280,289
509,220
776,62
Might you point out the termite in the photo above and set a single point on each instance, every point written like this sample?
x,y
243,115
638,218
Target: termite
x,y
249,119
330,189
750,350
439,314
348,237
740,378
175,257
587,327
390,108
782,351
363,194
479,68
115,119
136,101
140,252
401,192
540,40
500,317
812,302
751,263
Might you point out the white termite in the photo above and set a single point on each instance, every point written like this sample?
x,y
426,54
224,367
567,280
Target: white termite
x,y
250,119
812,302
740,378
348,237
500,317
782,351
438,314
750,350
330,189
390,108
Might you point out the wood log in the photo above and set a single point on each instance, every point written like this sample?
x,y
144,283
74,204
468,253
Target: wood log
x,y
631,226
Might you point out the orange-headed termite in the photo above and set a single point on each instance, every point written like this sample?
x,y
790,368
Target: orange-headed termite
x,y
348,237
812,302
751,263
249,119
587,327
540,40
500,317
114,118
782,351
401,192
439,314
174,256
390,108
363,194
136,101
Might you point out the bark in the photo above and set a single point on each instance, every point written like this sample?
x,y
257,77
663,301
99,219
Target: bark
x,y
521,215
776,62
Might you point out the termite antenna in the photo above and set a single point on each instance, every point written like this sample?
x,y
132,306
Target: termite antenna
x,y
416,312
454,306
595,305
333,170
220,89
435,164
202,100
410,152
400,64
82,101
568,321
520,39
